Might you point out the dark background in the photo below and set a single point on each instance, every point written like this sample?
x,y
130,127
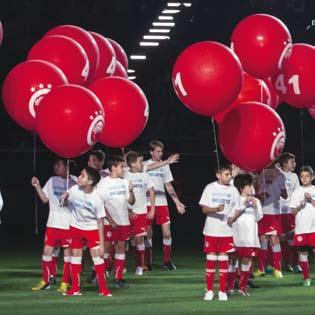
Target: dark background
x,y
127,21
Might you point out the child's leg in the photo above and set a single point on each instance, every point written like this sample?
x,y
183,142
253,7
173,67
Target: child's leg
x,y
66,265
47,262
167,242
54,262
210,270
120,259
276,251
76,268
139,241
245,267
304,262
223,260
107,253
99,268
231,277
262,253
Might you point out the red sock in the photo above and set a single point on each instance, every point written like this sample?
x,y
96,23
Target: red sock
x,y
148,252
46,267
76,269
285,250
53,268
119,265
231,277
167,247
305,266
276,256
100,273
223,271
210,270
106,261
244,277
140,255
66,269
262,259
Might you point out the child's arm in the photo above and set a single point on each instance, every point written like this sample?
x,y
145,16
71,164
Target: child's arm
x,y
132,199
171,160
208,210
100,226
151,213
171,191
35,182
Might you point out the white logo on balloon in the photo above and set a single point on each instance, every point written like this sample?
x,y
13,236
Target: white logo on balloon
x,y
278,144
36,97
178,83
86,70
111,68
96,127
286,52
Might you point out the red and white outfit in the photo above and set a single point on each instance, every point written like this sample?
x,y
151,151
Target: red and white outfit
x,y
115,194
304,235
87,209
57,227
218,235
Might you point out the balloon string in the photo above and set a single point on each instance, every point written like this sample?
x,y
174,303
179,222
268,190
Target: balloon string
x,y
124,155
302,136
215,144
68,173
34,174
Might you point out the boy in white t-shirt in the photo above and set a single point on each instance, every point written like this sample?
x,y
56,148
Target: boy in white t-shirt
x,y
303,207
58,224
220,201
116,193
86,228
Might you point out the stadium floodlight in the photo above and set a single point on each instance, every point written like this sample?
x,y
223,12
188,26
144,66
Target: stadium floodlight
x,y
187,4
165,17
149,44
131,71
138,57
163,24
159,30
132,77
166,11
155,37
173,4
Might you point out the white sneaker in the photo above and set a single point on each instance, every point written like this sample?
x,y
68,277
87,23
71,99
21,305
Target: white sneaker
x,y
125,270
209,296
139,271
222,296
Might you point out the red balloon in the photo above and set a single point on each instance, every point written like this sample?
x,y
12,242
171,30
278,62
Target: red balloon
x,y
251,136
120,71
207,77
70,120
121,55
25,86
85,39
262,42
253,90
107,62
126,110
65,53
275,99
311,111
1,33
295,83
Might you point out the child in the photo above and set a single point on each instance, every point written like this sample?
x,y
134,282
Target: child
x,y
245,229
220,202
116,193
86,228
58,224
303,207
97,160
141,185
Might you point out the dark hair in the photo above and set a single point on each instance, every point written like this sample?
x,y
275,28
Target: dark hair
x,y
223,167
284,158
155,143
99,154
132,157
93,175
115,161
306,168
242,180
64,161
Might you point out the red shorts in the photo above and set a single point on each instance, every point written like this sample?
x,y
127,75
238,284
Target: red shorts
x,y
162,215
139,225
80,238
304,239
120,233
288,222
245,251
57,237
216,244
270,224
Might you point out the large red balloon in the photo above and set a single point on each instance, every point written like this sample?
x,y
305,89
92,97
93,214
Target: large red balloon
x,y
85,39
275,99
251,136
65,53
295,83
120,71
1,33
253,89
207,77
25,86
70,120
126,110
107,62
311,111
262,42
121,55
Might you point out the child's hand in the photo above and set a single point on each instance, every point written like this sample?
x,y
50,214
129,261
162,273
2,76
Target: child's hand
x,y
130,187
308,197
35,182
230,221
102,250
220,207
132,215
113,224
180,207
173,159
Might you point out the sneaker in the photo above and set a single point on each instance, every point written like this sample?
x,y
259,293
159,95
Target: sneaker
x,y
125,270
63,287
53,280
105,293
41,285
307,283
251,285
230,292
259,273
243,292
289,268
121,284
277,274
269,269
139,271
92,278
297,269
169,266
209,295
146,268
72,292
222,296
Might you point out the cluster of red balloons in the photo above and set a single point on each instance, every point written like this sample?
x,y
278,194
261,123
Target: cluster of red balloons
x,y
242,86
73,90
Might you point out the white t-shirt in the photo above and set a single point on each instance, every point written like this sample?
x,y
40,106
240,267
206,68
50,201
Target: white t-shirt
x,y
55,187
271,181
213,195
87,208
159,176
305,218
291,184
245,229
104,173
115,192
141,184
